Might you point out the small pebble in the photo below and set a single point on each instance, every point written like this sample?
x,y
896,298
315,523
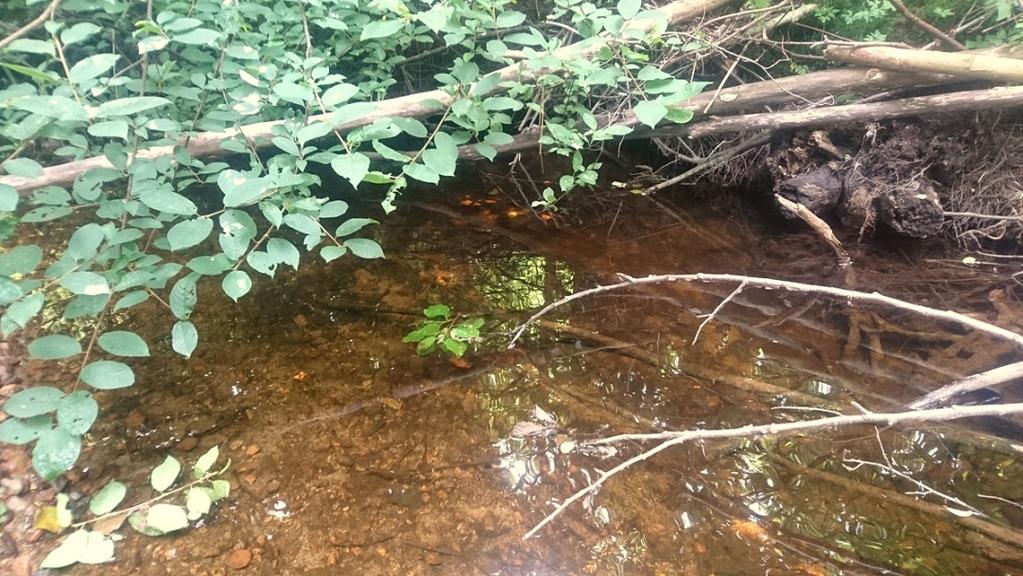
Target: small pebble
x,y
239,559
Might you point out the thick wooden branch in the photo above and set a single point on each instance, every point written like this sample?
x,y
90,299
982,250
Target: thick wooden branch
x,y
960,64
413,105
992,98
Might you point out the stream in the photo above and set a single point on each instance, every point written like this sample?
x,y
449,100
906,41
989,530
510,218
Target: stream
x,y
352,455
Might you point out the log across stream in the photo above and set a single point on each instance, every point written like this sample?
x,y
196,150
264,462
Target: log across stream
x,y
353,455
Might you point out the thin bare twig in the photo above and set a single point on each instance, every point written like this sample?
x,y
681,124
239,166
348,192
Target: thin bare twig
x,y
990,379
716,310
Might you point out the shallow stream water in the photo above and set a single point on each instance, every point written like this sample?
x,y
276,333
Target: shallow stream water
x,y
351,455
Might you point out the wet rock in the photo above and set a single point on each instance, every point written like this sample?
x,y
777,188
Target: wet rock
x,y
252,450
239,559
188,443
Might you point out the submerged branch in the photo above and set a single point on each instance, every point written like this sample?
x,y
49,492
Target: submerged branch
x,y
675,438
770,283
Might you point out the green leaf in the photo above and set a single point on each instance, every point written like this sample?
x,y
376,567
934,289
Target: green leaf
x,y
8,198
32,46
129,106
54,347
364,248
76,412
33,401
81,546
19,314
205,462
352,167
241,188
442,159
421,173
163,200
92,67
85,283
123,343
56,107
210,265
455,347
313,131
131,299
198,502
167,517
333,209
188,233
164,475
54,453
79,32
20,260
283,251
353,225
650,112
436,18
23,431
107,498
381,29
108,375
110,129
338,94
236,284
437,311
183,296
680,115
198,36
184,338
220,489
294,93
24,167
629,8
510,18
332,252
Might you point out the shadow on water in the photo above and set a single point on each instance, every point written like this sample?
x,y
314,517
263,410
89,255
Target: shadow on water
x,y
354,456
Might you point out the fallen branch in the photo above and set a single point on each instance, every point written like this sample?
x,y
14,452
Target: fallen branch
x,y
819,226
990,379
770,283
969,65
669,439
413,105
713,161
969,100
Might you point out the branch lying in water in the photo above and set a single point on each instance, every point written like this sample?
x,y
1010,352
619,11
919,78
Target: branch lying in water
x,y
770,284
669,439
990,379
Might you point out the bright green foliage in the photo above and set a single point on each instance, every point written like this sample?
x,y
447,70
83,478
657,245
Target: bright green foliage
x,y
441,331
109,79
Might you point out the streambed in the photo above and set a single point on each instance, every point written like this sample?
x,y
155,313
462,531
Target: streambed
x,y
353,455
